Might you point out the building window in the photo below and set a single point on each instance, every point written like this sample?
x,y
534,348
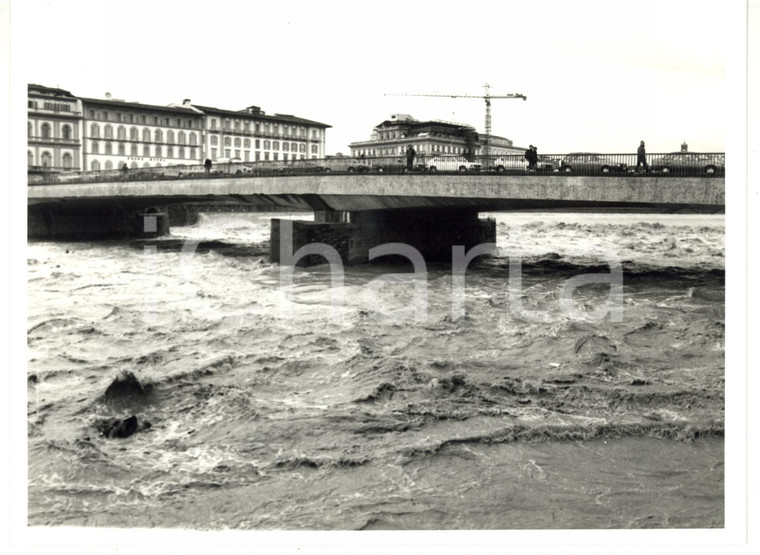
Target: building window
x,y
237,154
258,143
193,139
247,143
95,166
182,152
158,151
170,136
214,140
227,141
170,152
276,156
109,132
181,137
192,153
67,160
146,151
285,147
133,150
213,154
122,149
266,145
237,142
95,147
121,133
45,130
131,118
146,135
213,123
275,145
314,149
47,160
133,133
94,130
226,152
247,126
109,148
109,165
66,132
294,147
30,159
159,136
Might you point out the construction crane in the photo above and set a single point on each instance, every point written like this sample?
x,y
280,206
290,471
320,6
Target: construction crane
x,y
487,97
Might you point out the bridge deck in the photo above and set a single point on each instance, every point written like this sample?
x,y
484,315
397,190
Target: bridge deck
x,y
377,192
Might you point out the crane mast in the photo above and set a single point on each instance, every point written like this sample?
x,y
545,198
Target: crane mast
x,y
487,97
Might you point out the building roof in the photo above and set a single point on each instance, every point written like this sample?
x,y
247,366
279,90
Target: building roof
x,y
49,90
260,115
138,105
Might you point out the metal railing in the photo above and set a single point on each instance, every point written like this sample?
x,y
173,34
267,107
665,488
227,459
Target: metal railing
x,y
584,164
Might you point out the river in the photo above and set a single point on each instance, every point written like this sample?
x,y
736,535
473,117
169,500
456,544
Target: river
x,y
282,408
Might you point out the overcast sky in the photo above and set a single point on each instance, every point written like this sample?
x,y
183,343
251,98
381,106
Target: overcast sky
x,y
599,75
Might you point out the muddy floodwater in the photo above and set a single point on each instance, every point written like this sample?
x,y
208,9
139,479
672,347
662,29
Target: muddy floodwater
x,y
344,417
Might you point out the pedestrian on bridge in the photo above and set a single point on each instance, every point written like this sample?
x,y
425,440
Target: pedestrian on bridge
x,y
410,153
531,155
641,157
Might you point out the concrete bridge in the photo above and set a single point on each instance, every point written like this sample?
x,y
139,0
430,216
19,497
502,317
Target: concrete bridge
x,y
355,212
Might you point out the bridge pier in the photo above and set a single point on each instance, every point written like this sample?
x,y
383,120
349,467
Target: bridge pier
x,y
351,235
67,222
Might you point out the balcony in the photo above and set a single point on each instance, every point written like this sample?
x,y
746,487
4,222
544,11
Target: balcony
x,y
54,140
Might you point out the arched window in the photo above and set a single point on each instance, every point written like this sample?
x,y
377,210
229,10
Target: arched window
x,y
181,137
133,150
133,165
182,152
95,166
109,165
158,151
122,149
31,127
45,130
121,133
159,136
66,131
95,147
109,132
109,148
214,139
193,139
67,160
146,165
30,158
170,136
146,151
133,133
146,135
94,130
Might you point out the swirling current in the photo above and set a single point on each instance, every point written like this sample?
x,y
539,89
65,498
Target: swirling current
x,y
351,414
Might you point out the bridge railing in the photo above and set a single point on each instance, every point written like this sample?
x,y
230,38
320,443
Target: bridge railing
x,y
581,163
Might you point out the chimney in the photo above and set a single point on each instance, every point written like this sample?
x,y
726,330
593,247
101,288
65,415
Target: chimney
x,y
186,102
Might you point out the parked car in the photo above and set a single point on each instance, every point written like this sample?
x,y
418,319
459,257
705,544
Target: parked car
x,y
509,163
690,163
591,163
394,165
346,164
451,164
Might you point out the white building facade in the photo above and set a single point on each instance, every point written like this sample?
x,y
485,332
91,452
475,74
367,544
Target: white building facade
x,y
54,129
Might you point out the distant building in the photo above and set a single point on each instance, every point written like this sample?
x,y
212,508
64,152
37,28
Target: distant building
x,y
67,133
54,141
250,135
117,132
432,138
